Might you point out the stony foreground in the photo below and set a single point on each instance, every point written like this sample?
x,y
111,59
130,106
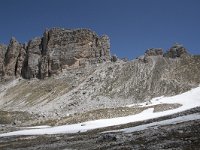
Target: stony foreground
x,y
177,136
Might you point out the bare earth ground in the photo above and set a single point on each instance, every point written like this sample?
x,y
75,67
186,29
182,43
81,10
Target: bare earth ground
x,y
178,136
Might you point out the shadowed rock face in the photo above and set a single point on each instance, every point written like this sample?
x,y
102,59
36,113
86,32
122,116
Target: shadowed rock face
x,y
58,49
13,58
2,57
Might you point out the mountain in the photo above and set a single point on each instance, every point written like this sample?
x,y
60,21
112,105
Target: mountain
x,y
58,49
69,76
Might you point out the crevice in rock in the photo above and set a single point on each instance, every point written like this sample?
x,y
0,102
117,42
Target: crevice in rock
x,y
16,65
44,43
6,57
49,72
25,72
40,76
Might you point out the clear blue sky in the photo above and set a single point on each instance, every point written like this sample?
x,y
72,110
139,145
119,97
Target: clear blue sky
x,y
132,25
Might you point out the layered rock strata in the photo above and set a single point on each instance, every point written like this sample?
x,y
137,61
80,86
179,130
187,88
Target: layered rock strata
x,y
58,49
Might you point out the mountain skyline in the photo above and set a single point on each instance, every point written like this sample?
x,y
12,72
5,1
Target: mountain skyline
x,y
133,26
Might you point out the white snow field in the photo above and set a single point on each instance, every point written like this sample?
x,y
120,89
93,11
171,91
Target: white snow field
x,y
155,125
36,127
188,100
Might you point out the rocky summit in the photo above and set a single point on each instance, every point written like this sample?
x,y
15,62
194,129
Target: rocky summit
x,y
70,77
58,49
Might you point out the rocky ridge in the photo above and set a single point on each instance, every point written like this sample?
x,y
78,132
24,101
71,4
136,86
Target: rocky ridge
x,y
58,49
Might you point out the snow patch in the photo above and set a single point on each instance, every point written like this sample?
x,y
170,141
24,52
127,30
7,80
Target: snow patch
x,y
36,127
188,100
176,120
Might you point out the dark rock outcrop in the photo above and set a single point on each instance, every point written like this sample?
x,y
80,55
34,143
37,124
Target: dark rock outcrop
x,y
114,58
177,50
154,52
33,56
151,52
58,49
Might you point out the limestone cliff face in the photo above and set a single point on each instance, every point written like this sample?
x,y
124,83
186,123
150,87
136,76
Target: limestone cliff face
x,y
58,49
72,49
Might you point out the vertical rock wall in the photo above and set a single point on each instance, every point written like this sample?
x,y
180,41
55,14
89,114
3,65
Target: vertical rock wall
x,y
58,49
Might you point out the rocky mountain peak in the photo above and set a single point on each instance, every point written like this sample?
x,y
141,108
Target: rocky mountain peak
x,y
13,40
177,50
58,49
